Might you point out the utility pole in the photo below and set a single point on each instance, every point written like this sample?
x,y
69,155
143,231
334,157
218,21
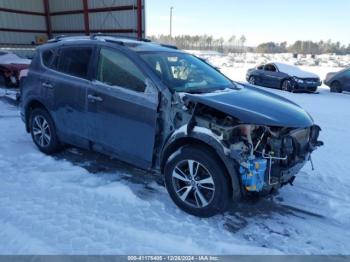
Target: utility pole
x,y
171,21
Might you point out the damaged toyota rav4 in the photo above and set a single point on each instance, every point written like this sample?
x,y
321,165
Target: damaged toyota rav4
x,y
161,109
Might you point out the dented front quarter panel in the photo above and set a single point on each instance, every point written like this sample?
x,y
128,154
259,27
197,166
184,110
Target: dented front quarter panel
x,y
245,106
207,137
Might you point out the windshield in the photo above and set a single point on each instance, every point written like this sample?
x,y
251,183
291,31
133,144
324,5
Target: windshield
x,y
186,73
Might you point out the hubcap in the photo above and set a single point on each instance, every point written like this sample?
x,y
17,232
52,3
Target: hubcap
x,y
193,183
41,131
252,80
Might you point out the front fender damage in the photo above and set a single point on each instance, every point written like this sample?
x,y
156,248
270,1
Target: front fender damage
x,y
257,157
200,135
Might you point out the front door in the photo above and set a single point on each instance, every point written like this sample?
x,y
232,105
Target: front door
x,y
122,110
272,76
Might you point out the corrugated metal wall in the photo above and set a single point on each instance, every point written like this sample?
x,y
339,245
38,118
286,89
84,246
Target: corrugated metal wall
x,y
116,19
9,20
25,5
123,20
67,17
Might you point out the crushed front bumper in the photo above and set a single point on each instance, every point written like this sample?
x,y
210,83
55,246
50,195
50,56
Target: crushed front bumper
x,y
307,86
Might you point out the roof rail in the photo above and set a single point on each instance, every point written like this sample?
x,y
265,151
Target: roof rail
x,y
93,36
170,46
57,38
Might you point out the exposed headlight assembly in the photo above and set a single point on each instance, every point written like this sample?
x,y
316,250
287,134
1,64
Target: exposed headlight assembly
x,y
298,80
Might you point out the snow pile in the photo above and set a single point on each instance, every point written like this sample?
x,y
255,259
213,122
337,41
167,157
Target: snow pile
x,y
7,59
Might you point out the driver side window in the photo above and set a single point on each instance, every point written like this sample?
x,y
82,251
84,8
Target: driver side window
x,y
270,67
115,69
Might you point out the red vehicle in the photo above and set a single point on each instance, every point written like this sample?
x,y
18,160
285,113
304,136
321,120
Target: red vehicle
x,y
10,67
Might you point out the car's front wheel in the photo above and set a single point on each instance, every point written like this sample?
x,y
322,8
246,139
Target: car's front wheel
x,y
7,81
197,181
287,86
43,131
252,80
336,87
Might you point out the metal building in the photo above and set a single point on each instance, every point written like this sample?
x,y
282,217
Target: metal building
x,y
25,22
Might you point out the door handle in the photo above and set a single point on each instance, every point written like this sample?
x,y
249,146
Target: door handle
x,y
47,85
93,98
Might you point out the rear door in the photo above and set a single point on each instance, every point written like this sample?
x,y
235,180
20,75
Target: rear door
x,y
122,109
67,85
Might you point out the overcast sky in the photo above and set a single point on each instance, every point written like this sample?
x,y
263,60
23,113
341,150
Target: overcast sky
x,y
259,20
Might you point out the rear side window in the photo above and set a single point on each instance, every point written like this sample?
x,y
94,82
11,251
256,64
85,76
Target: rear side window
x,y
75,61
47,57
115,69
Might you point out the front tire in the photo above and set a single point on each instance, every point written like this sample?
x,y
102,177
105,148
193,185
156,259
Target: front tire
x,y
252,80
336,87
287,86
7,82
43,131
197,182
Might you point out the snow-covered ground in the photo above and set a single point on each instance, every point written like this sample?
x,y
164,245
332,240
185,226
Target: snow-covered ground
x,y
83,203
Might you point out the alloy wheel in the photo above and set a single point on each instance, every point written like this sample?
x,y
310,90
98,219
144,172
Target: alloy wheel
x,y
252,80
41,131
193,183
286,86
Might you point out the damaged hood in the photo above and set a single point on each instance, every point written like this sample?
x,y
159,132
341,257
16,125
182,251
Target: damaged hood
x,y
254,106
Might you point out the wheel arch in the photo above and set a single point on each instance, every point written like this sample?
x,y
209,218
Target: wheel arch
x,y
29,107
334,81
340,86
210,143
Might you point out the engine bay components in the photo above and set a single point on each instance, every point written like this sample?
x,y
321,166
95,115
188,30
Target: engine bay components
x,y
270,157
266,157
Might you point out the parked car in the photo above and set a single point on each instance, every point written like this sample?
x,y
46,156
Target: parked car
x,y
162,109
10,67
283,76
339,81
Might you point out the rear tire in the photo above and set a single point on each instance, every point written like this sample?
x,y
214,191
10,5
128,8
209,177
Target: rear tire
x,y
8,82
43,131
197,182
336,87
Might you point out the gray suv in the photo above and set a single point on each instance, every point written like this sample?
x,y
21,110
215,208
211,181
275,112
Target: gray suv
x,y
161,109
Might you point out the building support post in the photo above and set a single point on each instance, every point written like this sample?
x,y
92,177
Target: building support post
x,y
86,17
47,18
139,19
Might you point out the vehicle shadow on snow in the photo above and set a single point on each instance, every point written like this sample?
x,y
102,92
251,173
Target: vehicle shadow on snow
x,y
237,218
262,208
113,170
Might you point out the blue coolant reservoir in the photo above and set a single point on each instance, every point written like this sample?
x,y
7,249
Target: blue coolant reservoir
x,y
253,174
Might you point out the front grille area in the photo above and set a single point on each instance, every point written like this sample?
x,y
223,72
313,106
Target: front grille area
x,y
301,139
311,79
